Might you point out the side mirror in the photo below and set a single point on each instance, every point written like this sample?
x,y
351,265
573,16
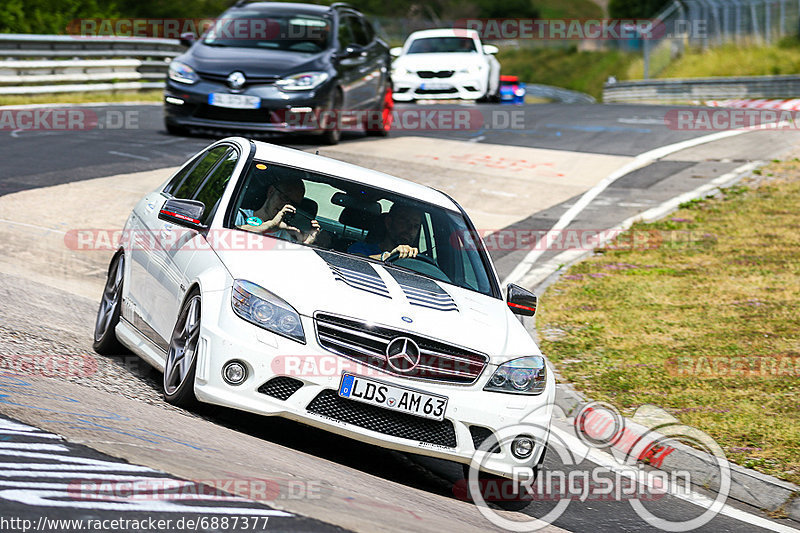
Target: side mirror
x,y
187,39
396,51
350,52
521,301
490,49
184,213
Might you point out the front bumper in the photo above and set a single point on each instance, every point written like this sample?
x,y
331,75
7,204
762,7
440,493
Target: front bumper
x,y
276,113
460,85
225,336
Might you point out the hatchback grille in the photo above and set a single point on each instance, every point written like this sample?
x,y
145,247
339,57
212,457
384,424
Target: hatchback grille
x,y
368,343
281,387
328,403
249,80
428,74
211,112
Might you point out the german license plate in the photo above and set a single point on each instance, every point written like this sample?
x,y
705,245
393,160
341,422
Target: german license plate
x,y
435,86
235,101
392,397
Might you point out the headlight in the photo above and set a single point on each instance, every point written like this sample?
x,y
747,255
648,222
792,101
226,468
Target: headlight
x,y
472,69
302,82
262,308
401,71
182,73
526,375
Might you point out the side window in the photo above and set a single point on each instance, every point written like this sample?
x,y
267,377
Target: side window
x,y
186,187
359,35
179,176
369,31
345,32
210,192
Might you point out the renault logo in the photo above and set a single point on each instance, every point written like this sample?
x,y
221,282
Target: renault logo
x,y
402,354
236,80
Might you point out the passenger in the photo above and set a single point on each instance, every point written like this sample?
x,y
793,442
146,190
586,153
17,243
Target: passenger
x,y
283,197
402,225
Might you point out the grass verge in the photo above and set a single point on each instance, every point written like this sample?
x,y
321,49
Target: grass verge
x,y
583,71
154,95
702,321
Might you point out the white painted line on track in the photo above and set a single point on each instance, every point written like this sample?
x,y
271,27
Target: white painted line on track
x,y
33,446
525,266
34,226
607,461
123,154
539,274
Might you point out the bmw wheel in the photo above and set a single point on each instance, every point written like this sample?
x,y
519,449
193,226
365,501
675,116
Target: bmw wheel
x,y
181,362
105,337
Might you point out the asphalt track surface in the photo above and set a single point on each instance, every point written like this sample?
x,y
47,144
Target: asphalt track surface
x,y
45,158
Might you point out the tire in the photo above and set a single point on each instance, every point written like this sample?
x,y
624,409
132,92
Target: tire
x,y
108,313
172,129
181,364
333,134
506,505
384,122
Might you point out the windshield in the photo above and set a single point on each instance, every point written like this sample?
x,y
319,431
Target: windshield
x,y
441,45
295,33
351,218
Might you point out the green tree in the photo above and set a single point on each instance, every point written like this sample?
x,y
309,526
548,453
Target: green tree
x,y
639,9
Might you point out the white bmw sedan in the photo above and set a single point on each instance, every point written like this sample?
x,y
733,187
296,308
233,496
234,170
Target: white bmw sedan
x,y
282,283
445,64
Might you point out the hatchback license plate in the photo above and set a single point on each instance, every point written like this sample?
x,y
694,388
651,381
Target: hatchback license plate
x,y
392,397
234,101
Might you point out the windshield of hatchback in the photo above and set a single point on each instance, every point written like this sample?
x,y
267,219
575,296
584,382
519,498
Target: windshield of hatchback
x,y
252,29
358,220
441,45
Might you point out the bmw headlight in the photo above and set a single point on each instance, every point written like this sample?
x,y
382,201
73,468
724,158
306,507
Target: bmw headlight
x,y
262,308
302,82
526,375
182,73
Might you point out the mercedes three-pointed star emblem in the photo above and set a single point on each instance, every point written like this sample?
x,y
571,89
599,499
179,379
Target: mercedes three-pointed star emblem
x,y
402,354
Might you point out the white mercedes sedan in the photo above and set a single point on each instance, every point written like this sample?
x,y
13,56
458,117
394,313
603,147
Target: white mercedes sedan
x,y
445,64
283,283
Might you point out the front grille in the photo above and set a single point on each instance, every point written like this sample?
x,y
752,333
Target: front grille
x,y
249,80
428,74
367,343
480,434
437,91
329,403
281,387
210,112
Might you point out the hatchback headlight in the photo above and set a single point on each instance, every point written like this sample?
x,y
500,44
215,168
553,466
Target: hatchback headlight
x,y
262,308
182,73
302,82
526,375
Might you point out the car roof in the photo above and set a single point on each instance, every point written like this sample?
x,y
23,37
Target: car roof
x,y
444,32
325,165
284,7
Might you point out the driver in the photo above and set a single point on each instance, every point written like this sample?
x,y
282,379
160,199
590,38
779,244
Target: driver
x,y
402,225
283,197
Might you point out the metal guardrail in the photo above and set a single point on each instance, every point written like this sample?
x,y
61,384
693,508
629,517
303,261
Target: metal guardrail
x,y
41,64
682,90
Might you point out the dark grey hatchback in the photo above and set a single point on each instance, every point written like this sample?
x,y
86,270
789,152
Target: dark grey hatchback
x,y
282,67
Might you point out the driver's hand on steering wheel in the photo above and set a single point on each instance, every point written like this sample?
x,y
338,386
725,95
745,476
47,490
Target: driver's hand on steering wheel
x,y
404,250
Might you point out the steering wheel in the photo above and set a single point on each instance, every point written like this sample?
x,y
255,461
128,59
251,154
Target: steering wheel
x,y
424,258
